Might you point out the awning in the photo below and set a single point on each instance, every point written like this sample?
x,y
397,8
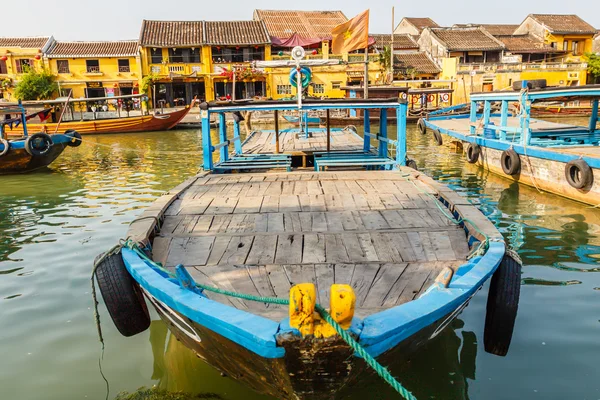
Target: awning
x,y
294,40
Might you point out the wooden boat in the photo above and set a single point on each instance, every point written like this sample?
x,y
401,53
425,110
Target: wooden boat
x,y
554,157
30,152
237,264
141,123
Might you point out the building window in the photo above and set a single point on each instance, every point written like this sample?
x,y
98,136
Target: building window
x,y
124,65
553,45
194,56
284,89
336,85
575,47
92,66
3,69
66,92
156,56
23,65
176,55
62,66
319,88
565,46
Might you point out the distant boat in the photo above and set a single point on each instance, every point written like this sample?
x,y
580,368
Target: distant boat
x,y
294,120
31,152
140,123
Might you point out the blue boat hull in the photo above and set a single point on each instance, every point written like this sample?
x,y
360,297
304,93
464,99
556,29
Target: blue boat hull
x,y
17,160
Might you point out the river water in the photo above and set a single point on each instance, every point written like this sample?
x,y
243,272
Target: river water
x,y
53,223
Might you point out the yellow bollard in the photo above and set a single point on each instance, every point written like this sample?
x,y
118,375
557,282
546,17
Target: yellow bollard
x,y
341,303
303,298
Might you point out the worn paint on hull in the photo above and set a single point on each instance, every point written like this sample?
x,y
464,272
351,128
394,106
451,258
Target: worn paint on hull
x,y
19,161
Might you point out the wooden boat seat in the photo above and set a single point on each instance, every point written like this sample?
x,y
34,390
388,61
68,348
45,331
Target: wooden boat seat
x,y
345,159
264,161
261,234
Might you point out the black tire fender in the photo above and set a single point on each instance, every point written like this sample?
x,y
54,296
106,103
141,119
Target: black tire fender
x,y
437,136
510,162
502,305
473,152
421,126
579,174
5,146
122,295
350,128
75,138
412,164
38,144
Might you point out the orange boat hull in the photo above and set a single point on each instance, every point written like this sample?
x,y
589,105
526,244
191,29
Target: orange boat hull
x,y
144,123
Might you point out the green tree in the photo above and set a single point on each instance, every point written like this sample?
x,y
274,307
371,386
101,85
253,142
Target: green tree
x,y
593,62
35,85
384,62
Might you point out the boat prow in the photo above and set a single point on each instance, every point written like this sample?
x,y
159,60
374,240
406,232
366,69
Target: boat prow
x,y
295,283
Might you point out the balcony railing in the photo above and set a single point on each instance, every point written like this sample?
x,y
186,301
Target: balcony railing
x,y
507,67
124,69
93,70
180,69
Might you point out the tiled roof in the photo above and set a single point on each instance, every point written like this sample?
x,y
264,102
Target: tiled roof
x,y
401,41
494,29
422,23
307,24
126,48
564,23
467,39
525,44
419,61
171,33
235,32
24,42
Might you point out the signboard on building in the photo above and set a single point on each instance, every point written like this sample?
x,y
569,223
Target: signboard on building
x,y
126,84
94,85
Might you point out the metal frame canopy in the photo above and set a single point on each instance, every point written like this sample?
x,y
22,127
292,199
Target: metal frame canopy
x,y
589,91
220,108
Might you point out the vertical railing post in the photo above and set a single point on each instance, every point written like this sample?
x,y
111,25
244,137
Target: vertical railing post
x,y
401,111
224,151
526,133
594,116
206,141
367,129
383,146
473,117
487,109
503,118
236,137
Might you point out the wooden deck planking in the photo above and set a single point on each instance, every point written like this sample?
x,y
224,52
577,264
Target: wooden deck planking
x,y
263,142
262,233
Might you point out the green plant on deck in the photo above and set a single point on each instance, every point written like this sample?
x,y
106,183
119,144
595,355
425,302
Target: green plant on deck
x,y
593,65
159,394
35,85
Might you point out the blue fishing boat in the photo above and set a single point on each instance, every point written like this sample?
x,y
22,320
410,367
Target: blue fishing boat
x,y
558,158
298,266
30,152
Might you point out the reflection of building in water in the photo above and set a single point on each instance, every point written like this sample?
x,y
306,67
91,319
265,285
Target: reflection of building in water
x,y
177,369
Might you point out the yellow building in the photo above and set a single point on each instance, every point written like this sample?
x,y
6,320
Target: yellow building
x,y
197,59
568,33
95,69
16,55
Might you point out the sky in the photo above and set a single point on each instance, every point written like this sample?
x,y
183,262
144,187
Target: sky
x,y
121,20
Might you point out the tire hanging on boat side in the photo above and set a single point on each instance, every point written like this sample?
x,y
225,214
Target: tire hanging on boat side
x,y
502,305
122,295
412,164
75,138
472,153
38,144
5,146
437,136
579,174
421,126
510,162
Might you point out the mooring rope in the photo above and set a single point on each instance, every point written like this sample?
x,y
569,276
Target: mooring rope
x,y
370,360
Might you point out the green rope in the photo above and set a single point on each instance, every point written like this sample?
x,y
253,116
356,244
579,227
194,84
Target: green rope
x,y
370,360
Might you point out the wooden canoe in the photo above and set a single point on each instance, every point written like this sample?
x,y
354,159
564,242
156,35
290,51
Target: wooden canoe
x,y
143,123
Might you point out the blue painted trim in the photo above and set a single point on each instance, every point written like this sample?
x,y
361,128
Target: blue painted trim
x,y
385,330
448,109
367,128
58,138
401,132
532,151
255,333
224,151
383,133
306,107
594,116
207,160
236,136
